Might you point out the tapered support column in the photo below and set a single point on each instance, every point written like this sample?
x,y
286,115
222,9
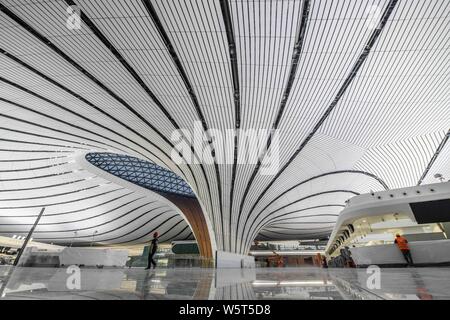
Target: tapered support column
x,y
194,214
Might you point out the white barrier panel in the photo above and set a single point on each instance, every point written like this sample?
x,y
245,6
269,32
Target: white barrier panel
x,y
423,252
233,260
228,277
93,257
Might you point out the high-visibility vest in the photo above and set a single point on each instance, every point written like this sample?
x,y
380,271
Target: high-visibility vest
x,y
402,243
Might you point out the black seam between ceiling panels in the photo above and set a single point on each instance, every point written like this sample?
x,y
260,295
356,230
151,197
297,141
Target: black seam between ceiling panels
x,y
179,233
74,221
136,239
109,201
51,137
264,220
37,151
356,67
34,168
68,110
226,15
287,91
135,229
434,158
41,144
155,100
84,219
109,230
278,225
48,43
306,209
52,195
33,159
63,202
269,228
127,213
106,212
98,225
283,221
37,177
291,236
43,187
189,236
385,186
170,229
313,231
148,233
65,122
177,61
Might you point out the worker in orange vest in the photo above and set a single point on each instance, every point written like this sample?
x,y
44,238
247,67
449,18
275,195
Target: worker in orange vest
x,y
402,244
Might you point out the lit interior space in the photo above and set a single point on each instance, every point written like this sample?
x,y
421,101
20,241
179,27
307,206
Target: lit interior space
x,y
222,149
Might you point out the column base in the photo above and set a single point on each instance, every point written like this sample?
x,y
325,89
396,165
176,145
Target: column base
x,y
233,260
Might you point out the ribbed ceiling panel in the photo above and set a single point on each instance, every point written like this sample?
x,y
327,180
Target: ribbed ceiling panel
x,y
356,89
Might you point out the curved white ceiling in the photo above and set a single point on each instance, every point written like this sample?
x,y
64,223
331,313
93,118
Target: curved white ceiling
x,y
359,106
83,205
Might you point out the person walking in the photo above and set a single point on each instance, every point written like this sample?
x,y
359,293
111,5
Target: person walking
x,y
349,263
324,263
152,250
402,244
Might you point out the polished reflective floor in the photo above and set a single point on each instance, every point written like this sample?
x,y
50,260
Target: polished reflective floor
x,y
225,284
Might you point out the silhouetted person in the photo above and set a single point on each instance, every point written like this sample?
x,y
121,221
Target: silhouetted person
x,y
152,251
324,263
402,244
349,263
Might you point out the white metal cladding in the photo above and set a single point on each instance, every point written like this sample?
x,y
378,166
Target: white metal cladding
x,y
357,89
81,207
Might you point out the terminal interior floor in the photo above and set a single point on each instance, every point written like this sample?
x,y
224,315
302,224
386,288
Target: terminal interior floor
x,y
224,284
